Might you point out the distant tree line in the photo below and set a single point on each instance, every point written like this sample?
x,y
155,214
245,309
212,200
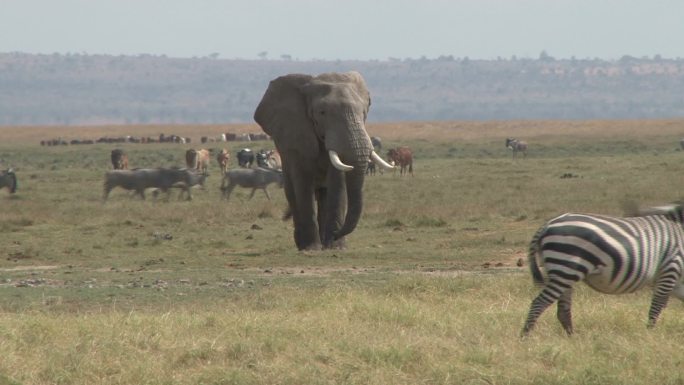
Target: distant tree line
x,y
75,89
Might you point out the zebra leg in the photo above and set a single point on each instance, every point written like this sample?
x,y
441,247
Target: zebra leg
x,y
546,298
663,288
536,309
563,312
539,304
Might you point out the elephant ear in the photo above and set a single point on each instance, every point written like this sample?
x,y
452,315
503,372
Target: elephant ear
x,y
282,113
355,80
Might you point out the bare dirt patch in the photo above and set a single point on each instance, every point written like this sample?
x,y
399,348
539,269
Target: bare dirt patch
x,y
31,267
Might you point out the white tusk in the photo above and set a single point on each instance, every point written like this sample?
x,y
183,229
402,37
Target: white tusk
x,y
377,159
335,160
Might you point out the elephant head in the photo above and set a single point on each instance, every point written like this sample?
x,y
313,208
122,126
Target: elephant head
x,y
318,125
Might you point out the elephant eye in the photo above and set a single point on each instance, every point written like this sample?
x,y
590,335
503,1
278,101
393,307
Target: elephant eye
x,y
322,112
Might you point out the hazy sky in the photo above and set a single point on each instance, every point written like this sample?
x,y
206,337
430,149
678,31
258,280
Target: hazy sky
x,y
346,29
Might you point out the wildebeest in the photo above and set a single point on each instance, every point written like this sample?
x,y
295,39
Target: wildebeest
x,y
8,179
245,157
681,143
223,158
377,143
403,157
254,178
119,159
517,146
197,159
160,178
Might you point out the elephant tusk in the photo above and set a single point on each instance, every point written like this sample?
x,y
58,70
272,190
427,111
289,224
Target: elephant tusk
x,y
335,160
377,159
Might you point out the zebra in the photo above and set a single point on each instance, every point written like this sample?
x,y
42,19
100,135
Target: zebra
x,y
517,146
8,179
611,255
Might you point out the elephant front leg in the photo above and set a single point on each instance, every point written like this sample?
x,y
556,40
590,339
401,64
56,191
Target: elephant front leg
x,y
300,196
332,207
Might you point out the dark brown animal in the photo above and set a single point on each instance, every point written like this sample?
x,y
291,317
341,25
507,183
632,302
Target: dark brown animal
x,y
403,157
119,159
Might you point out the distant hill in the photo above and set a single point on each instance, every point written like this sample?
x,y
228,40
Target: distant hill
x,y
77,89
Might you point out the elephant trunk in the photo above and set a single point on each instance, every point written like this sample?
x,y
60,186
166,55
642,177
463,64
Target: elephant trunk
x,y
354,181
361,148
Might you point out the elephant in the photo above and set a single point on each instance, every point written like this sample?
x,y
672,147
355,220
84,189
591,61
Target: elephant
x,y
318,126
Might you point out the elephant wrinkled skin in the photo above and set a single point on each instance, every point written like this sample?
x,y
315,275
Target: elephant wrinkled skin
x,y
318,125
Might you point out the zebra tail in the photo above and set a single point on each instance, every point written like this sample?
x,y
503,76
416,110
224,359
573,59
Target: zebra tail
x,y
533,254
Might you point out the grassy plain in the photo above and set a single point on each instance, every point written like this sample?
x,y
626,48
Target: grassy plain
x,y
427,292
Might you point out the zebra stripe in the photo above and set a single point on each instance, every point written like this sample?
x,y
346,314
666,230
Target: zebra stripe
x,y
611,255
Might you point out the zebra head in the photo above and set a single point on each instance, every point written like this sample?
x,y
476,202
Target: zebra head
x,y
673,211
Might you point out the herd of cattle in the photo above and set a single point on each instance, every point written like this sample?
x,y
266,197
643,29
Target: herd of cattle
x,y
267,171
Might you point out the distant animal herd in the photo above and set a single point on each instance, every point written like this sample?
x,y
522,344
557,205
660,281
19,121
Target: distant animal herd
x,y
199,159
197,162
257,170
162,138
